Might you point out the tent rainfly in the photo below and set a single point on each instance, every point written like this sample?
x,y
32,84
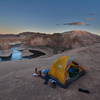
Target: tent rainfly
x,y
65,70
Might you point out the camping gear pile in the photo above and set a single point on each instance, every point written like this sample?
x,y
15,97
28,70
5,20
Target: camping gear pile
x,y
62,72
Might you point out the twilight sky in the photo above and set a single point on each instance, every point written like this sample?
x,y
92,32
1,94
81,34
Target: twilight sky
x,y
49,15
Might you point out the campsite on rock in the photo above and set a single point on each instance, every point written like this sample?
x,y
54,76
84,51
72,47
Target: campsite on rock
x,y
17,80
63,72
49,49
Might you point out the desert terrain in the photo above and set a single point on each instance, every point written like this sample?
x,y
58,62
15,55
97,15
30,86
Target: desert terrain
x,y
34,34
17,83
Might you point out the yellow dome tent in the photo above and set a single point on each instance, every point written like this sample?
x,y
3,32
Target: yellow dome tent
x,y
66,70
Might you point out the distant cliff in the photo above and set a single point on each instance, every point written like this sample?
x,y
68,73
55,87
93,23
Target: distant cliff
x,y
66,40
71,39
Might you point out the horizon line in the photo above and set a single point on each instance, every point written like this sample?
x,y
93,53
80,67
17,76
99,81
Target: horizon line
x,y
15,33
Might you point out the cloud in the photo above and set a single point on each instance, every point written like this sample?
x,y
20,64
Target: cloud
x,y
75,23
68,18
88,24
58,24
92,14
89,19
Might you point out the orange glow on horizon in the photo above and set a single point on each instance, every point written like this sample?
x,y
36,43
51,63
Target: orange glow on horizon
x,y
9,30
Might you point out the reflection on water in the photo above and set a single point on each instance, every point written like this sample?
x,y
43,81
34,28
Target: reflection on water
x,y
16,54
